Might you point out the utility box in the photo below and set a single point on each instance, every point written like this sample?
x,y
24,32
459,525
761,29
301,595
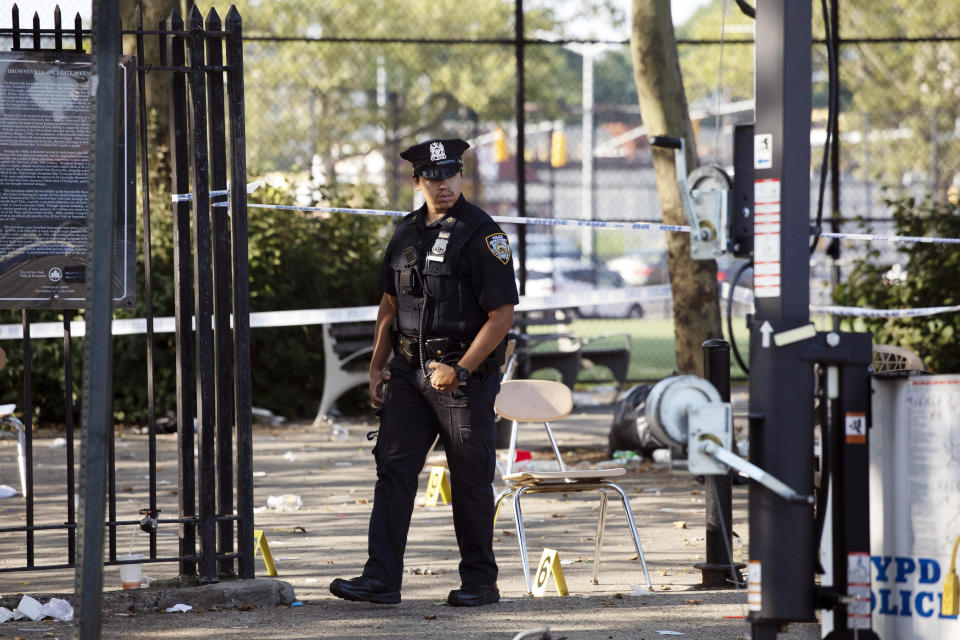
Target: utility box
x,y
914,504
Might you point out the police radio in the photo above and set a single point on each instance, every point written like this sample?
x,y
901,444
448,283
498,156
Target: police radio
x,y
410,276
410,255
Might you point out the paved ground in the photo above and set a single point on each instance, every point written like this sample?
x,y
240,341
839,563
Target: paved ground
x,y
326,538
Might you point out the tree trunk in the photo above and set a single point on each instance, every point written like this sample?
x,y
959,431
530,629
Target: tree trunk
x,y
663,107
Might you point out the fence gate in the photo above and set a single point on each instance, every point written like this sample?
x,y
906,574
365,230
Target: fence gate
x,y
203,63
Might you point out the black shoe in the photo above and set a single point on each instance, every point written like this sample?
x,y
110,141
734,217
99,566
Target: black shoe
x,y
364,589
474,595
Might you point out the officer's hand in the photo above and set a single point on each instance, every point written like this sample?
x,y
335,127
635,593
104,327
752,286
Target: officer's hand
x,y
443,378
378,382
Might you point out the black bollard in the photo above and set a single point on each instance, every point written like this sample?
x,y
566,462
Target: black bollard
x,y
719,570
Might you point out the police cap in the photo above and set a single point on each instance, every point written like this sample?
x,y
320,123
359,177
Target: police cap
x,y
436,159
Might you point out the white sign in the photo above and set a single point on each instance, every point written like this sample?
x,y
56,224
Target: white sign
x,y
763,151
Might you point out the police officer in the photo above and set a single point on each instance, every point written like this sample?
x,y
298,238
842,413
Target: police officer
x,y
447,306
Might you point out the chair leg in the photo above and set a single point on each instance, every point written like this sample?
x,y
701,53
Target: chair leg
x,y
512,451
633,529
600,525
521,536
497,502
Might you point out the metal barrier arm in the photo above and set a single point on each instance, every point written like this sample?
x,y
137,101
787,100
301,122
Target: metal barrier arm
x,y
711,448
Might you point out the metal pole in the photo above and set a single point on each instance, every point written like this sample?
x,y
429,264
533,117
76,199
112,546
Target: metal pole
x,y
521,150
781,380
719,569
586,179
98,346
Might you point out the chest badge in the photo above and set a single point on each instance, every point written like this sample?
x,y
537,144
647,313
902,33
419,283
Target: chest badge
x,y
439,248
499,246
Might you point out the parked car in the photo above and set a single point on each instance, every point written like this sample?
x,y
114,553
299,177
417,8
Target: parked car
x,y
583,278
727,268
642,267
546,252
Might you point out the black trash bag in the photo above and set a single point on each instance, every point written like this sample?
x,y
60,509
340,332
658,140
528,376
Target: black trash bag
x,y
630,431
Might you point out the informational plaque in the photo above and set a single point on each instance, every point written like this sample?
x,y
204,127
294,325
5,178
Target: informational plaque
x,y
45,114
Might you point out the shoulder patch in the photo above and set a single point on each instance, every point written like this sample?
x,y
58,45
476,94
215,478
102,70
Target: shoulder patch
x,y
499,246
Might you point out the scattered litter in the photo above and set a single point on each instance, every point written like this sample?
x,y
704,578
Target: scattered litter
x,y
29,608
259,474
692,601
310,580
679,524
669,633
183,608
289,530
265,416
661,455
58,610
342,463
6,491
289,456
339,433
429,616
287,502
57,443
5,614
638,590
296,603
655,490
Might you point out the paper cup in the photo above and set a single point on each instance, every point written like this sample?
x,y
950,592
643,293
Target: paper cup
x,y
130,573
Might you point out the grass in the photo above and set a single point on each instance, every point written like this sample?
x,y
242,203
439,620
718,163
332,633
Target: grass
x,y
652,353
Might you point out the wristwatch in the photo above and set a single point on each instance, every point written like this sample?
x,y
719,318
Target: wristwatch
x,y
462,374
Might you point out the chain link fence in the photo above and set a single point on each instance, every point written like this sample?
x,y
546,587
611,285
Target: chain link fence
x,y
335,90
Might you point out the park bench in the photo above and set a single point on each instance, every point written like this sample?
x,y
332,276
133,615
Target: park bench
x,y
568,353
347,348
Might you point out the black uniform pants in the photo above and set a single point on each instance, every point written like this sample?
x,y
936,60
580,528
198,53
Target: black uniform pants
x,y
412,416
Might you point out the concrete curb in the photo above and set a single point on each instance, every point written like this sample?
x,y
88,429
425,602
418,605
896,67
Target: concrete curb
x,y
258,592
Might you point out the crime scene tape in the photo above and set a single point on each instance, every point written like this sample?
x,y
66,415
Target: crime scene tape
x,y
550,222
883,313
302,317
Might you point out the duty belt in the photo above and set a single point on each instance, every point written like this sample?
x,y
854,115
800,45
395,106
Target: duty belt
x,y
446,350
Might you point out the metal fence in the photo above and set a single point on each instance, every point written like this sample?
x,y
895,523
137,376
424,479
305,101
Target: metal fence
x,y
201,62
335,90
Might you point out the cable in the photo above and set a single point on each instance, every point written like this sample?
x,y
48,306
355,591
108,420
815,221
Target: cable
x,y
746,9
831,120
736,578
733,342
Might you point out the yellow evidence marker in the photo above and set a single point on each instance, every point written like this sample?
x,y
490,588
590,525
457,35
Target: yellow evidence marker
x,y
438,486
260,543
549,563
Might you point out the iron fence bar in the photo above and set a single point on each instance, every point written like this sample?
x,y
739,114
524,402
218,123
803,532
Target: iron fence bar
x,y
68,416
15,24
108,523
78,33
203,295
223,378
111,493
36,31
183,298
241,293
147,281
28,430
58,32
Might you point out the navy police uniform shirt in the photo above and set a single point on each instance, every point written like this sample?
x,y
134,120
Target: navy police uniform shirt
x,y
485,264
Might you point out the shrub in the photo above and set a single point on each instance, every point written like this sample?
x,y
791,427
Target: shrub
x,y
928,279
